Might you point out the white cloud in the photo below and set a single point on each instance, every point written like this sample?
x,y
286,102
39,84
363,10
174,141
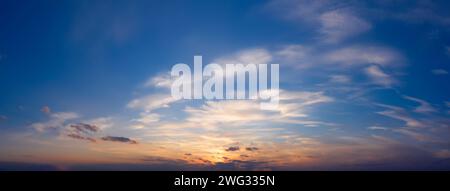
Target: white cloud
x,y
293,52
145,120
439,72
424,107
376,128
56,120
334,20
363,55
338,25
292,108
415,135
340,79
400,114
379,77
101,122
299,10
152,102
248,56
162,80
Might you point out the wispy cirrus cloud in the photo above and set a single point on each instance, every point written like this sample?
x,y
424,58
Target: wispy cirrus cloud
x,y
337,25
400,114
377,128
379,64
335,21
378,76
292,108
363,55
423,123
424,106
57,120
439,72
152,102
340,79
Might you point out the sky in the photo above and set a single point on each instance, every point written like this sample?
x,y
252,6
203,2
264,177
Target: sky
x,y
85,85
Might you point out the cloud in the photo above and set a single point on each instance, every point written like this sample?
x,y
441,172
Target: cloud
x,y
145,119
415,135
152,102
340,79
439,72
46,110
294,52
292,108
335,21
379,63
445,153
101,123
3,118
85,128
376,128
247,56
363,55
422,12
57,120
337,25
400,114
242,165
424,107
119,139
162,80
379,77
25,166
251,148
343,58
79,137
232,148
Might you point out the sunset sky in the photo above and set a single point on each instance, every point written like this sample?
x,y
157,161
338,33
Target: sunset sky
x,y
85,85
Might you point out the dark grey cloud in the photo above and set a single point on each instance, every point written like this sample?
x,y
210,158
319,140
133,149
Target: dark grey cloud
x,y
148,163
119,139
232,148
85,128
79,137
252,148
242,165
20,166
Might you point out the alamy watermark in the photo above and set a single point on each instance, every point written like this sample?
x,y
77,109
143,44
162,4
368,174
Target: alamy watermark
x,y
242,81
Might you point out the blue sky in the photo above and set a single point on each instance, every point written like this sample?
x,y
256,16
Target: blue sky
x,y
364,84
